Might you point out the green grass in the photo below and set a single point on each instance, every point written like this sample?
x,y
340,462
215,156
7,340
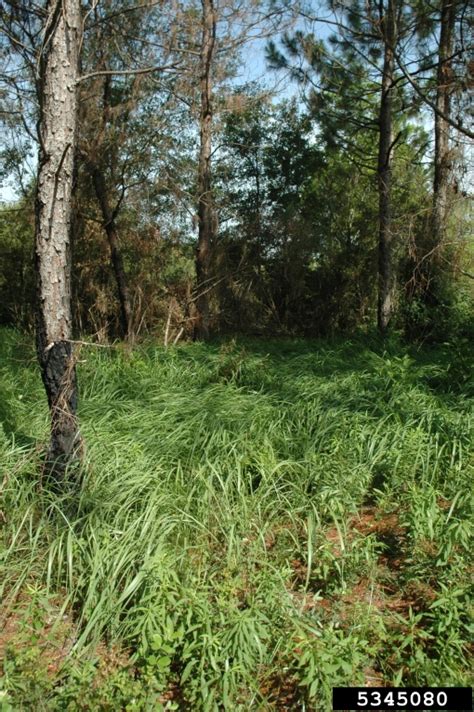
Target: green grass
x,y
257,521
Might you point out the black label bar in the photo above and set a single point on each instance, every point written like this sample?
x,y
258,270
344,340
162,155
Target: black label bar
x,y
402,698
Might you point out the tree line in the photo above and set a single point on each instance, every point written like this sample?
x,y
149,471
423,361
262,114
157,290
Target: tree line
x,y
170,195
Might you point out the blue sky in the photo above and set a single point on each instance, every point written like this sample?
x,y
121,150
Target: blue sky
x,y
253,69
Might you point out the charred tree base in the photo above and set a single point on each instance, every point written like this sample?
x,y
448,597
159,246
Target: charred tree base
x,y
58,371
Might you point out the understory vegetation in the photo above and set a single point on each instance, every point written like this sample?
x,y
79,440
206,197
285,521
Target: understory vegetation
x,y
257,521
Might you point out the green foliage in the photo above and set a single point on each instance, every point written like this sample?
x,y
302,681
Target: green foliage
x,y
16,264
296,252
257,521
449,317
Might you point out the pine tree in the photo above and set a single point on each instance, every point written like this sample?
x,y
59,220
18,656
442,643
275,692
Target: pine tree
x,y
57,94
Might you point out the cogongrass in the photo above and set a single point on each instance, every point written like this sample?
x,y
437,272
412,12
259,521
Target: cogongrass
x,y
216,510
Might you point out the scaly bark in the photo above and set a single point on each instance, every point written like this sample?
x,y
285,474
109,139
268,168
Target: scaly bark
x,y
384,173
442,157
57,133
206,212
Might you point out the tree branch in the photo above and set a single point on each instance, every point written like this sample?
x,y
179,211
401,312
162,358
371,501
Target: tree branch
x,y
120,72
430,103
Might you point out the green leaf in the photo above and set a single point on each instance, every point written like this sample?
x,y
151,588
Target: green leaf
x,y
164,662
156,642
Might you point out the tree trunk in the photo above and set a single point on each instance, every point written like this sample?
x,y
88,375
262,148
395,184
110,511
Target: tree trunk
x,y
206,213
384,174
57,134
442,157
115,254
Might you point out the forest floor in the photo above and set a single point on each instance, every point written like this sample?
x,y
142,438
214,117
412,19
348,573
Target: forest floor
x,y
255,522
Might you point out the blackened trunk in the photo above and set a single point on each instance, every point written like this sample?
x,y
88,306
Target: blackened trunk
x,y
206,212
115,253
384,175
57,134
442,157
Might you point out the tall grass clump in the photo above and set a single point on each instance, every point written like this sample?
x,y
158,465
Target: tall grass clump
x,y
253,524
